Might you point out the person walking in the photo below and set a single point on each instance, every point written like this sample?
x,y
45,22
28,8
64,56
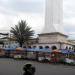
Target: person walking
x,y
29,69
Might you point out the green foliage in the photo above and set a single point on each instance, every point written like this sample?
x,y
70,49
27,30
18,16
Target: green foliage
x,y
22,32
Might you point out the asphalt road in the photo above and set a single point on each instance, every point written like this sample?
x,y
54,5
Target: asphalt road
x,y
15,67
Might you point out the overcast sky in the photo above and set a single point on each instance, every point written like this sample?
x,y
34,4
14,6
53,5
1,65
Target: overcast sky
x,y
12,11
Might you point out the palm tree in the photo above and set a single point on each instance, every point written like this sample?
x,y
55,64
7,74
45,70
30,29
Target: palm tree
x,y
22,32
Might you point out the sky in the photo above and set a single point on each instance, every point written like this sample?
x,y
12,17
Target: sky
x,y
12,11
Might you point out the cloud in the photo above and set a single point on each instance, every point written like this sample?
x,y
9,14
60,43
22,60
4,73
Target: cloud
x,y
11,11
69,17
23,5
69,11
8,21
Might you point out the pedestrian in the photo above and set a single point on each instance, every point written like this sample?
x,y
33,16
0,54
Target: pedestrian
x,y
29,69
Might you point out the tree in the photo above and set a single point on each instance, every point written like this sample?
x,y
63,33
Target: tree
x,y
22,32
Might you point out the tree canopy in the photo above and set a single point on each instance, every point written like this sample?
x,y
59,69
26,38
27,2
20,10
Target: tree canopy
x,y
22,32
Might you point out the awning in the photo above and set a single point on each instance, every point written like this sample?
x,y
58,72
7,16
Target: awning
x,y
56,51
38,50
9,49
66,51
19,49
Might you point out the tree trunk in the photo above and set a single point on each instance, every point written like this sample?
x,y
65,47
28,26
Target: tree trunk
x,y
20,44
26,49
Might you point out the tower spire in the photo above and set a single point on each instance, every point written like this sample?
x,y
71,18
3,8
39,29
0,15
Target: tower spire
x,y
53,16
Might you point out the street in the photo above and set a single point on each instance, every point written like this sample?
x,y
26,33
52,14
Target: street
x,y
15,67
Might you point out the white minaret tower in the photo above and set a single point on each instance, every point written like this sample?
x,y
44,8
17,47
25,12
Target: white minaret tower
x,y
53,16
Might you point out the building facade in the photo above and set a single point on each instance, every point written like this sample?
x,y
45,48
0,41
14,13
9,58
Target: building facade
x,y
53,35
54,40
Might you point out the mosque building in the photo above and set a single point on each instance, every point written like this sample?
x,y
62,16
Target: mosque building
x,y
53,35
